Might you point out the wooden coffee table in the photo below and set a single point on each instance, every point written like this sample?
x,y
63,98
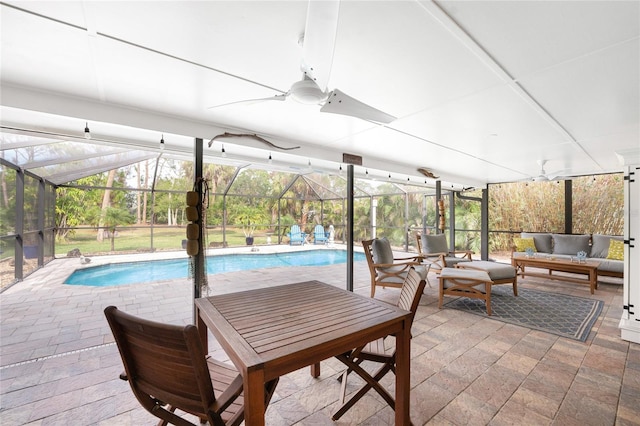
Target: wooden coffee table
x,y
589,268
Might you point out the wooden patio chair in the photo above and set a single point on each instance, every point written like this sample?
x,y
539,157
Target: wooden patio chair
x,y
385,270
167,365
436,252
375,351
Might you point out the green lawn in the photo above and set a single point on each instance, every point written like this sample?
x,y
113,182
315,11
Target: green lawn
x,y
138,239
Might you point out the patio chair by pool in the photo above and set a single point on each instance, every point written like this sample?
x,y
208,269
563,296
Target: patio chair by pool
x,y
167,365
296,236
436,252
319,236
375,351
385,270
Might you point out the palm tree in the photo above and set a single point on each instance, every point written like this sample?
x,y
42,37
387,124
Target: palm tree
x,y
112,217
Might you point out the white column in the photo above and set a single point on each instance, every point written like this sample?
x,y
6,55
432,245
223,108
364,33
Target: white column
x,y
630,321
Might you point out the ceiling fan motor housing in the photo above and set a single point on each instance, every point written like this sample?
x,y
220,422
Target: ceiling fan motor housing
x,y
307,92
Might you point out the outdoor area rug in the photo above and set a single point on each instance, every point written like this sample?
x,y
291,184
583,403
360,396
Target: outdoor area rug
x,y
566,316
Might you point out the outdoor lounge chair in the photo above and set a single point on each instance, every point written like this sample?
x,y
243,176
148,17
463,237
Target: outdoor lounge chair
x,y
296,236
319,236
375,351
385,270
167,365
436,252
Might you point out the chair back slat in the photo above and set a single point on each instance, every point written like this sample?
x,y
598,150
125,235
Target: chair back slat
x,y
411,292
368,253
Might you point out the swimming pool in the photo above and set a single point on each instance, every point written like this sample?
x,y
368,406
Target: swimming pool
x,y
156,270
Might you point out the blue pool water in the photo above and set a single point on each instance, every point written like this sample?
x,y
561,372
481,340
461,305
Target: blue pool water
x,y
156,270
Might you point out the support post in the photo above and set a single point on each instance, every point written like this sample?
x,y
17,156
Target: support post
x,y
41,226
484,225
199,259
568,206
374,214
407,227
438,196
424,214
452,221
350,185
19,246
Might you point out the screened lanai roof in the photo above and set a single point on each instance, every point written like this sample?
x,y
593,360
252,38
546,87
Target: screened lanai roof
x,y
481,90
62,159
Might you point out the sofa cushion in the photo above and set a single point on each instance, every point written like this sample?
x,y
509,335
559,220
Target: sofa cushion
x,y
610,265
616,250
541,240
382,252
600,245
434,243
522,244
570,244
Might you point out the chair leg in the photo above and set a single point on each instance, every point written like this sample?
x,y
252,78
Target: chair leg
x,y
343,386
371,383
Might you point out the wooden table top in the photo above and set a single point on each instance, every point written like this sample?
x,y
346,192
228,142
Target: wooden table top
x,y
287,327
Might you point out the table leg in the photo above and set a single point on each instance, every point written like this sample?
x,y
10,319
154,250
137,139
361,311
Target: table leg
x,y
593,280
315,370
202,332
254,395
403,380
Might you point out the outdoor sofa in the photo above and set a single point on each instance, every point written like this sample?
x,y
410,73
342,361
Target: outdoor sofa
x,y
566,246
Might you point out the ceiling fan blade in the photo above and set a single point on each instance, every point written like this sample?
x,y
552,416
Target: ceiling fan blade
x,y
319,40
558,175
341,103
252,101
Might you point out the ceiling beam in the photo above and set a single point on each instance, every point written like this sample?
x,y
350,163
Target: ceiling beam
x,y
449,24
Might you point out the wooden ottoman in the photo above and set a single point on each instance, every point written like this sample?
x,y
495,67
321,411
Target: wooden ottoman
x,y
500,273
472,283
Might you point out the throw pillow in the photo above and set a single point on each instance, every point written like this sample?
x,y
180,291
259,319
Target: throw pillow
x,y
435,243
382,253
542,240
600,245
616,250
522,244
570,244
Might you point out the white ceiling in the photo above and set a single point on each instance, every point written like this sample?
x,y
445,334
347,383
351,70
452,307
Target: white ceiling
x,y
482,89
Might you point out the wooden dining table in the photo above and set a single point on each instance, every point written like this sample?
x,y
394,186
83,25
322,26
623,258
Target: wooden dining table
x,y
269,332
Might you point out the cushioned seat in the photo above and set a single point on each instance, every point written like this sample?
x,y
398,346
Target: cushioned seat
x,y
500,273
610,267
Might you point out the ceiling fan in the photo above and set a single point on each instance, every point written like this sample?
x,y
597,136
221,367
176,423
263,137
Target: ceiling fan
x,y
544,176
318,45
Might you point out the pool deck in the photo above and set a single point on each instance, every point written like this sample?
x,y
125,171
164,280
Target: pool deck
x,y
59,364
